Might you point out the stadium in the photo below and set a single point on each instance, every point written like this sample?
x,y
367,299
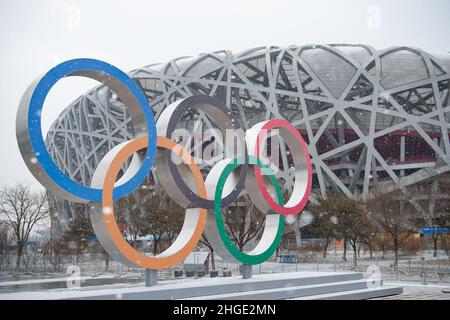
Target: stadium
x,y
369,117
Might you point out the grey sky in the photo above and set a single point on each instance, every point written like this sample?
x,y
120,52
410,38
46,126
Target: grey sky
x,y
36,35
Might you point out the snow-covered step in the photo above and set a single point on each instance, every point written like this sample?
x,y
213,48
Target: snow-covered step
x,y
361,294
234,285
288,291
260,286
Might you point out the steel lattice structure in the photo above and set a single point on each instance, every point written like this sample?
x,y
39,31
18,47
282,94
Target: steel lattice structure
x,y
367,116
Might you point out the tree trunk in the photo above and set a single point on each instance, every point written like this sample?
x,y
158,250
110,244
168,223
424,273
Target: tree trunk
x,y
19,255
435,245
344,256
355,255
445,246
325,248
155,246
396,252
395,256
106,261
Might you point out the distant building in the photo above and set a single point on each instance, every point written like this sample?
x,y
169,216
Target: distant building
x,y
367,115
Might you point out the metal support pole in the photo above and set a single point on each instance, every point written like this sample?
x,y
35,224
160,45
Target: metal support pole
x,y
151,277
246,271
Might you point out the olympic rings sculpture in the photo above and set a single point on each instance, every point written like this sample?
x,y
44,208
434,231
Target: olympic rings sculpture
x,y
152,145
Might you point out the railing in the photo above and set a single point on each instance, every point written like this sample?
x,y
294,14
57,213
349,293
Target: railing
x,y
413,268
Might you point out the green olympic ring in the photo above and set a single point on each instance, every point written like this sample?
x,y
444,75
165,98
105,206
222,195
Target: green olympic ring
x,y
247,258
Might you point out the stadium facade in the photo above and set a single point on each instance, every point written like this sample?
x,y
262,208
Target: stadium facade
x,y
369,117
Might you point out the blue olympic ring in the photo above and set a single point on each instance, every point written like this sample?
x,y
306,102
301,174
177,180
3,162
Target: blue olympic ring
x,y
68,68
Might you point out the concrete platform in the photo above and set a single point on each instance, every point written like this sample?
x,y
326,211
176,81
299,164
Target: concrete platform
x,y
12,286
295,285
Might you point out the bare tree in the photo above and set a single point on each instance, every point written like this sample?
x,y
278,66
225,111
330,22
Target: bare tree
x,y
5,244
347,217
173,217
323,225
392,214
22,209
162,217
128,212
432,210
244,222
370,237
78,234
149,210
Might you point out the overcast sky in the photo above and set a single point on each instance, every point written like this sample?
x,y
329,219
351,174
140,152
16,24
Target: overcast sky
x,y
36,35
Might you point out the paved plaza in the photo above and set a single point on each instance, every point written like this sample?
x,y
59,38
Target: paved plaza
x,y
414,291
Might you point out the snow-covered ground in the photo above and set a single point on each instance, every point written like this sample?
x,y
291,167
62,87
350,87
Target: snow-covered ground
x,y
119,290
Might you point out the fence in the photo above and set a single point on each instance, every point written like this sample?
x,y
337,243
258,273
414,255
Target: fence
x,y
421,268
